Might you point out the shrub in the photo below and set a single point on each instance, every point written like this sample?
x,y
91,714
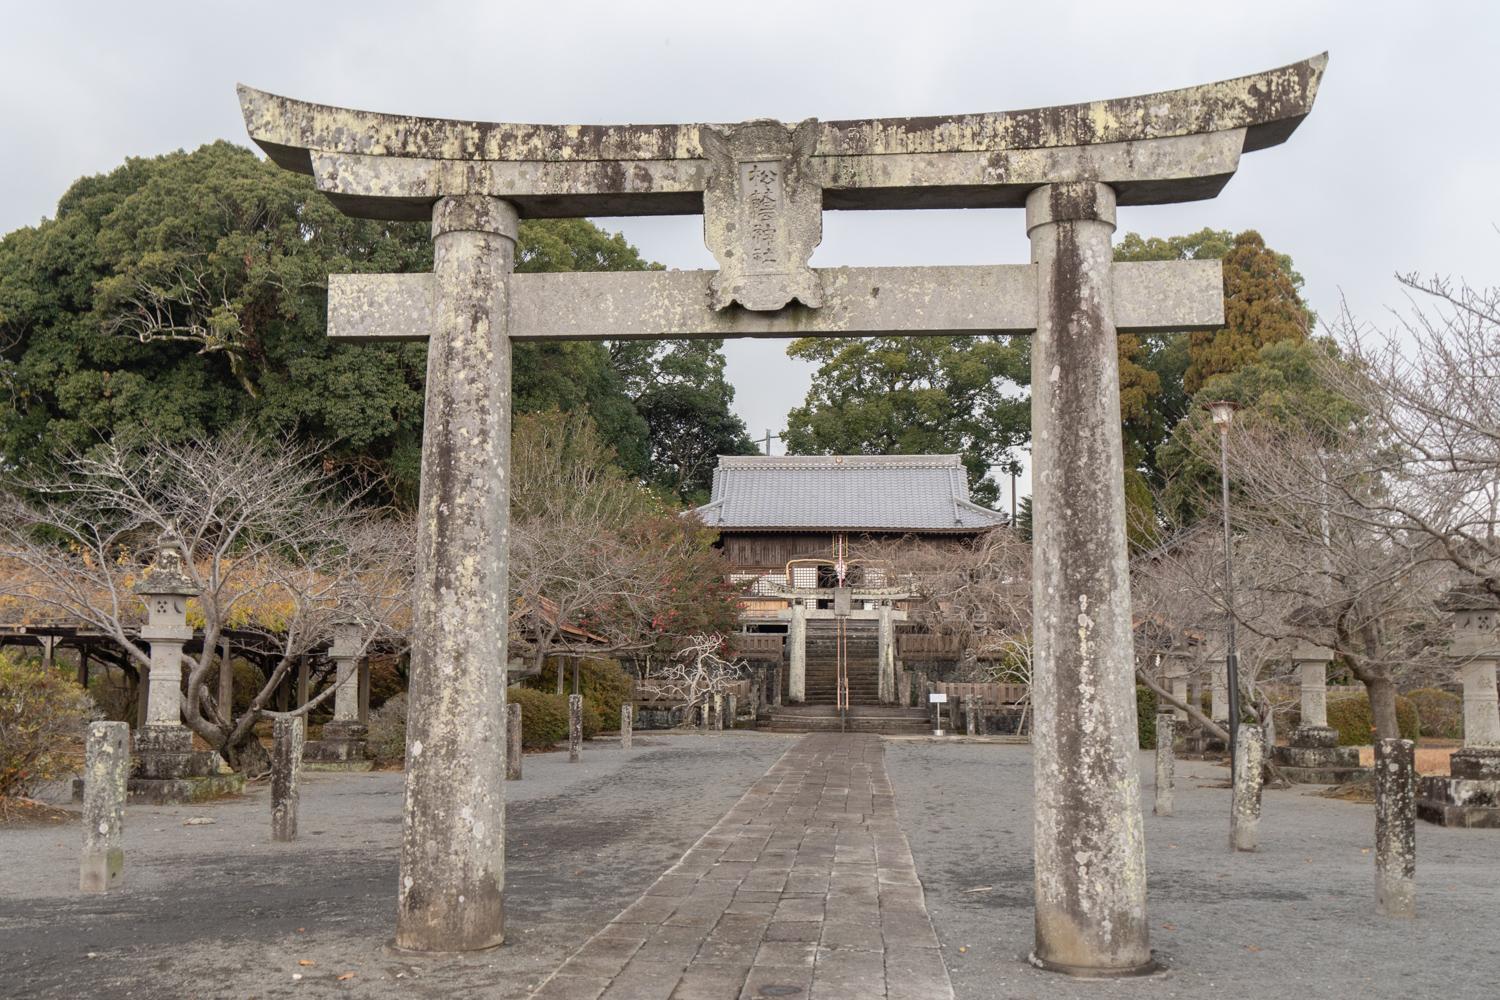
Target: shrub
x,y
1441,712
42,715
387,731
544,717
604,684
1145,716
1356,725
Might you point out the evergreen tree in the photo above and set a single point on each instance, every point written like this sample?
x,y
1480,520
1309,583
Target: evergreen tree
x,y
187,293
916,395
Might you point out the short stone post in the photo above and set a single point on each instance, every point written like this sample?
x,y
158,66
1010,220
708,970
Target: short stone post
x,y
575,727
955,708
796,681
287,738
1250,761
1396,827
776,685
513,744
105,770
1166,761
971,715
903,688
718,712
627,724
731,707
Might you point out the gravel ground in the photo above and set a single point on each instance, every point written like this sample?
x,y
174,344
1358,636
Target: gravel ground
x,y
1295,919
219,911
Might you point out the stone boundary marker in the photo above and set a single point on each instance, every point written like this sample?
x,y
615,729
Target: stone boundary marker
x,y
806,887
627,724
288,737
575,727
105,770
1166,761
513,742
1395,827
1249,765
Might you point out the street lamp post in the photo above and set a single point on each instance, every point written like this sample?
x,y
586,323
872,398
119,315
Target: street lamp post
x,y
1222,412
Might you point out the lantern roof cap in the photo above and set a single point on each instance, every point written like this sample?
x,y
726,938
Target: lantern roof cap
x,y
165,574
1476,595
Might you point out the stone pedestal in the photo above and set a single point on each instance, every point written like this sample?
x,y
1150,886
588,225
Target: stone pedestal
x,y
1314,757
1468,796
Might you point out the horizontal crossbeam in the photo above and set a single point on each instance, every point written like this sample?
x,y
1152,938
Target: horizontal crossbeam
x,y
1176,145
858,302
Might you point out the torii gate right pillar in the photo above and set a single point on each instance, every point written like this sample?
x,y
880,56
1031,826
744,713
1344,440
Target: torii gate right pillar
x,y
1089,841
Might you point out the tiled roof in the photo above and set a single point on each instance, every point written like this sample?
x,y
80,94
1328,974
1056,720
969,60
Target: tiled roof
x,y
845,492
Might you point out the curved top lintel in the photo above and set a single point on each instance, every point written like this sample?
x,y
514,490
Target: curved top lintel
x,y
1268,105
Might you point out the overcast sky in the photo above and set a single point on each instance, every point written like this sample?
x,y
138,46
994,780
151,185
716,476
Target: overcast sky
x,y
1398,168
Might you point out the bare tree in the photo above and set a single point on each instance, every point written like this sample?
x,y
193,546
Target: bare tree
x,y
598,564
977,593
272,544
1316,561
697,673
1431,387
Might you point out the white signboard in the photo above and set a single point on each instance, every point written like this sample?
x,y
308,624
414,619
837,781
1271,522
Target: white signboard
x,y
937,697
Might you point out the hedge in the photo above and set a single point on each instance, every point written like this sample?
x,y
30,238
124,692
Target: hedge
x,y
544,717
604,684
1145,716
1441,712
1356,725
42,718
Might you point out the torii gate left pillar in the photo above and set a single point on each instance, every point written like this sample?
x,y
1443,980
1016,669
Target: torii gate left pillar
x,y
762,187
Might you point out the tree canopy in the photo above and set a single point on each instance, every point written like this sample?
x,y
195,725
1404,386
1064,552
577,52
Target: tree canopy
x,y
1160,373
186,294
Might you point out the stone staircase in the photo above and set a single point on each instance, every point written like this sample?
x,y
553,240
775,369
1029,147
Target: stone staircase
x,y
890,720
863,650
866,714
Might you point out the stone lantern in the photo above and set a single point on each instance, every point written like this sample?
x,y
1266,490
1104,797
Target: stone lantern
x,y
1470,794
1314,756
343,744
1178,663
166,768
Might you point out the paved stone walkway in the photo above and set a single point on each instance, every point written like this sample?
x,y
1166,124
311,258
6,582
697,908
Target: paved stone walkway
x,y
806,888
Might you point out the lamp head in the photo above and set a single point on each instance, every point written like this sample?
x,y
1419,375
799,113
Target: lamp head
x,y
1222,411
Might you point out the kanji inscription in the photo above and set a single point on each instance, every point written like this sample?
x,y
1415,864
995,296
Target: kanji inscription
x,y
762,214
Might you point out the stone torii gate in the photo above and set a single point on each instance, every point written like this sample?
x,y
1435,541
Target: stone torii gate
x,y
762,187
